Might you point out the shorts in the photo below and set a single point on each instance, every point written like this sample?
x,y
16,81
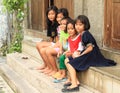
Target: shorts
x,y
61,62
56,48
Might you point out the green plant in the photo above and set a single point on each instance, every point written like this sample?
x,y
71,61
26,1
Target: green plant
x,y
17,10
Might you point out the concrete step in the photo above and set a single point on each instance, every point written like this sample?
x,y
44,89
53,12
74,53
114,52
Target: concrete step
x,y
36,33
42,82
29,46
103,79
15,81
97,78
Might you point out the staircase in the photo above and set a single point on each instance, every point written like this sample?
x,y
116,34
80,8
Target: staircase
x,y
22,77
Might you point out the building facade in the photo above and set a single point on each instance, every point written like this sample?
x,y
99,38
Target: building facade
x,y
104,17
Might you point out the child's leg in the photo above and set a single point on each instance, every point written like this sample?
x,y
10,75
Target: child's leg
x,y
39,47
62,67
51,56
73,76
47,65
42,44
68,76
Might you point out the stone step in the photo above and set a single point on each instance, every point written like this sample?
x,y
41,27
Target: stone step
x,y
42,82
36,33
29,47
97,78
15,81
103,79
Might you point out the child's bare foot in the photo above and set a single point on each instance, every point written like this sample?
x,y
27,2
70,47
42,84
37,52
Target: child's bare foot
x,y
41,67
48,71
44,70
52,73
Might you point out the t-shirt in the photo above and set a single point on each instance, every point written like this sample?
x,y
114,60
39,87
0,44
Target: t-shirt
x,y
75,44
64,39
52,29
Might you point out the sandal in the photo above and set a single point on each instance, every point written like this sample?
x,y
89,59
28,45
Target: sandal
x,y
56,75
59,80
75,89
68,84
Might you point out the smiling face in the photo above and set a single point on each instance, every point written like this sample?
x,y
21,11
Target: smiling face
x,y
59,17
63,24
71,29
51,15
79,26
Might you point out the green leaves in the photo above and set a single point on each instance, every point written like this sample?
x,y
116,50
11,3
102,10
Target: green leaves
x,y
16,7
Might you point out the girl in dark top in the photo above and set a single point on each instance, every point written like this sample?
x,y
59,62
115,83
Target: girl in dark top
x,y
52,24
90,56
43,46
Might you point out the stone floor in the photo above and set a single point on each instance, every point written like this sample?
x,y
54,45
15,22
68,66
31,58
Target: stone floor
x,y
4,87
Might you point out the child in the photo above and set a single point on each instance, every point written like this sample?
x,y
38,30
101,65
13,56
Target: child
x,y
63,37
91,56
52,24
74,42
42,46
51,52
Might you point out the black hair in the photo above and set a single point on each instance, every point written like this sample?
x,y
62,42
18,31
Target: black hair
x,y
71,21
84,20
64,11
55,9
68,19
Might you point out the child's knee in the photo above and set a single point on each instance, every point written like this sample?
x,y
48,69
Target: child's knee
x,y
42,50
66,60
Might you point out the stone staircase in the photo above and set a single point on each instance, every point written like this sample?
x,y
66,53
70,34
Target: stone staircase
x,y
22,77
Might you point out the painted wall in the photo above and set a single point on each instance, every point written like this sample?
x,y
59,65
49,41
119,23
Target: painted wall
x,y
94,9
3,24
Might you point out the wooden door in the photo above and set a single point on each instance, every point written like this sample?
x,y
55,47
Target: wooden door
x,y
66,4
112,24
38,14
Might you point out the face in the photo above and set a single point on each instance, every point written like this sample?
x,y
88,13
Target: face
x,y
79,26
59,17
51,15
71,29
63,24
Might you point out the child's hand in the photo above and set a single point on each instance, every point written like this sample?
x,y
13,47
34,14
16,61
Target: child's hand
x,y
59,53
76,54
68,53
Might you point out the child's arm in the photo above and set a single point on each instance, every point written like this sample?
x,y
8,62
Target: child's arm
x,y
87,50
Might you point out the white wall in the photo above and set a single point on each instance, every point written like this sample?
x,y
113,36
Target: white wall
x,y
94,9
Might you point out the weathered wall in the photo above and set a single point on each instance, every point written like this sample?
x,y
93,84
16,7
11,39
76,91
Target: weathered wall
x,y
94,9
3,24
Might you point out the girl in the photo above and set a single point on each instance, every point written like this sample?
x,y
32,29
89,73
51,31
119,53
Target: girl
x,y
91,56
51,52
42,46
52,24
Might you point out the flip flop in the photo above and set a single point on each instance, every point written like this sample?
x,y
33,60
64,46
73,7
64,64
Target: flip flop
x,y
60,80
56,75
